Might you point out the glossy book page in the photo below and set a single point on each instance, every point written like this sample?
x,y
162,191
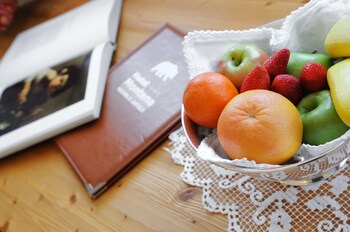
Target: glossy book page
x,y
61,38
52,78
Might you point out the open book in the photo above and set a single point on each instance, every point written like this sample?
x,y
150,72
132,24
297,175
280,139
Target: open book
x,y
52,78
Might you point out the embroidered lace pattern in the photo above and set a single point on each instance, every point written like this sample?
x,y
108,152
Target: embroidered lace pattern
x,y
258,205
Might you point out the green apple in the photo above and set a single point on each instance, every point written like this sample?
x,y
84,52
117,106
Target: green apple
x,y
298,59
321,122
337,42
239,60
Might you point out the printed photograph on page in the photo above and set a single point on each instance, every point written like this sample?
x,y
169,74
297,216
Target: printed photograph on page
x,y
43,93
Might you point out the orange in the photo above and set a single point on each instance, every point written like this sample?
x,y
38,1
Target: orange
x,y
205,97
260,125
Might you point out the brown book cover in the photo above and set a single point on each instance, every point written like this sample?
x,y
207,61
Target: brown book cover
x,y
141,106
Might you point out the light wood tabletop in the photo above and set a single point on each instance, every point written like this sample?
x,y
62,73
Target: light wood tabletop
x,y
39,191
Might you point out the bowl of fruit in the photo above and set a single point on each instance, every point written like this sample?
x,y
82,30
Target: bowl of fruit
x,y
272,102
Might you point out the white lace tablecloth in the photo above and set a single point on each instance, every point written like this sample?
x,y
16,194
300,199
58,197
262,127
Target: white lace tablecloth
x,y
258,205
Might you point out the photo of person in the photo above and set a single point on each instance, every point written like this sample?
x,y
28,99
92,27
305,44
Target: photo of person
x,y
43,93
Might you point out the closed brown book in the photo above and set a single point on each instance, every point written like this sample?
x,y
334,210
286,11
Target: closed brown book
x,y
141,106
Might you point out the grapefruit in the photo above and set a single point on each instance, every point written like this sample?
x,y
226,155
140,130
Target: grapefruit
x,y
260,125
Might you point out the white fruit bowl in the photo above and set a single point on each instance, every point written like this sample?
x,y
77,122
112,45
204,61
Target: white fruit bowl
x,y
303,30
313,168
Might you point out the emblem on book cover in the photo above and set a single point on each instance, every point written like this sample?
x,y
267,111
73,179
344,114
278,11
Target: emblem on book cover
x,y
165,70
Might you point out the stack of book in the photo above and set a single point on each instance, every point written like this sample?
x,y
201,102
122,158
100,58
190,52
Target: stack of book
x,y
110,117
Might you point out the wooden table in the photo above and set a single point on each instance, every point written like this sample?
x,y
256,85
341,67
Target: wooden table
x,y
39,190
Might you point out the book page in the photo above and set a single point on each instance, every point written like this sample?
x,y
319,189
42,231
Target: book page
x,y
59,39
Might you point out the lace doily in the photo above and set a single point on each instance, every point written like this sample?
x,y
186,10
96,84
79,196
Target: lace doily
x,y
258,205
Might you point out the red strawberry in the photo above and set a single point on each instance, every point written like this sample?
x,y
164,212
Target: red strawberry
x,y
277,64
313,77
288,86
258,78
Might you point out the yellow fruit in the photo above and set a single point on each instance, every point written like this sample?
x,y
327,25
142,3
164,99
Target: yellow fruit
x,y
337,43
338,77
260,125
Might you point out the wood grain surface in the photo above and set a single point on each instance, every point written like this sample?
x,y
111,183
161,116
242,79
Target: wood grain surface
x,y
39,190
